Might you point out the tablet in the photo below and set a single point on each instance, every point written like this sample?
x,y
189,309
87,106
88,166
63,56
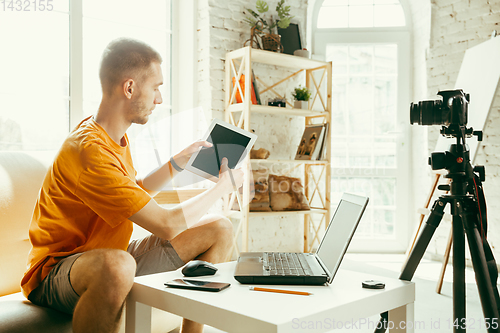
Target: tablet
x,y
228,141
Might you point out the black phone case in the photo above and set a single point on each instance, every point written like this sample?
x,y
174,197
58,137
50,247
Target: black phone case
x,y
193,287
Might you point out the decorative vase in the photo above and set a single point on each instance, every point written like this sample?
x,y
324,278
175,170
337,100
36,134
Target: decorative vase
x,y
301,105
271,42
302,53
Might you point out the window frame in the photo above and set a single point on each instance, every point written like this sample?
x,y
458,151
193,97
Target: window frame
x,y
402,37
315,6
181,30
185,56
75,63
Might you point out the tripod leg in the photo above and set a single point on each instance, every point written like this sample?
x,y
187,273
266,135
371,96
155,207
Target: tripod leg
x,y
423,240
422,215
417,252
459,317
445,262
382,324
487,292
493,269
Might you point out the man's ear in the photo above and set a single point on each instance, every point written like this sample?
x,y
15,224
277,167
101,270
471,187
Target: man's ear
x,y
128,88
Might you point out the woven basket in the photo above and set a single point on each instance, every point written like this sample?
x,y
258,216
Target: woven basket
x,y
271,42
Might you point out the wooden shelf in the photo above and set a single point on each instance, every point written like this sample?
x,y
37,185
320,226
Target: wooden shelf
x,y
270,161
238,214
239,62
279,59
176,196
239,107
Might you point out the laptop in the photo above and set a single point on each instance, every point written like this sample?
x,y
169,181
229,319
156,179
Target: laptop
x,y
306,268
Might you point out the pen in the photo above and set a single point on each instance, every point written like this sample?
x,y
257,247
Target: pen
x,y
293,292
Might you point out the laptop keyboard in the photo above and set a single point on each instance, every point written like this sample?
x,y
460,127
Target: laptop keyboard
x,y
295,264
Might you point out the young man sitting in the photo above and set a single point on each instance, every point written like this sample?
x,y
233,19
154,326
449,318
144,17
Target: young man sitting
x,y
81,262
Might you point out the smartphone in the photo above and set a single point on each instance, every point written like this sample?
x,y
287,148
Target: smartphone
x,y
197,285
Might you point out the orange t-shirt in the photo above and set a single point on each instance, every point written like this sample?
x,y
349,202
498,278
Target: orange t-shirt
x,y
85,201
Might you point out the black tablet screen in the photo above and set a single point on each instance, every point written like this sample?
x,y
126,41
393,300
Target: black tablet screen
x,y
226,143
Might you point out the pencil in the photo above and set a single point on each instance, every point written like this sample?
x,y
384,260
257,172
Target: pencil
x,y
293,292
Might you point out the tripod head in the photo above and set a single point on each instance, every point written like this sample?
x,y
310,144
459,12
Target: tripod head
x,y
451,112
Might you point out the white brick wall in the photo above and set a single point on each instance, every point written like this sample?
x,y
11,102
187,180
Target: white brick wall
x,y
204,93
457,25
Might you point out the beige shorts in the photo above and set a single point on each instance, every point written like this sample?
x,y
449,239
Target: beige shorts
x,y
152,255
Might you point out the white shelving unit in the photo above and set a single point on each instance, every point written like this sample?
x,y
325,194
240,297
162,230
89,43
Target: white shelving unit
x,y
239,62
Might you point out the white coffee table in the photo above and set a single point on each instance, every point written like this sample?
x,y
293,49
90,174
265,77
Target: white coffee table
x,y
237,309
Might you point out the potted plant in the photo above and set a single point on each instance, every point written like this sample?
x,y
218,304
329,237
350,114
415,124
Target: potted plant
x,y
267,28
301,96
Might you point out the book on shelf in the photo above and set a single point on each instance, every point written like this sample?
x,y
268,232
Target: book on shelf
x,y
256,89
322,150
312,142
242,86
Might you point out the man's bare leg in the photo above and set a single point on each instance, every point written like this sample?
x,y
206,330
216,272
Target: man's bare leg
x,y
103,279
210,240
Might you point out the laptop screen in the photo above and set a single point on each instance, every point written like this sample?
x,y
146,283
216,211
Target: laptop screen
x,y
340,231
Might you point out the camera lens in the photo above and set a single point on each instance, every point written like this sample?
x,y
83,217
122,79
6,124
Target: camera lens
x,y
426,113
414,114
431,112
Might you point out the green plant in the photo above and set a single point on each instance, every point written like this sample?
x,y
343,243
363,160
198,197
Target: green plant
x,y
261,23
301,94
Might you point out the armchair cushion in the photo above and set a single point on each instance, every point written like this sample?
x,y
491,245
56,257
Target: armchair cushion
x,y
19,315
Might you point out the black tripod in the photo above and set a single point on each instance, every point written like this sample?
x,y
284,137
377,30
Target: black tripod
x,y
468,209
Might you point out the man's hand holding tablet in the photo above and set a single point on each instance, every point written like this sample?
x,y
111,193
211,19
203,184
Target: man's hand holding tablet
x,y
228,141
230,180
182,158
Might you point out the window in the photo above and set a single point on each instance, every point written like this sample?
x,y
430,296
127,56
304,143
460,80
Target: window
x,y
370,108
361,14
149,22
35,102
364,126
34,89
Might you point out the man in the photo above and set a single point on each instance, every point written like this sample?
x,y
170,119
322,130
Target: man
x,y
81,261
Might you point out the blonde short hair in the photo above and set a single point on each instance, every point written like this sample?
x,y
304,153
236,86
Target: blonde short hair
x,y
125,58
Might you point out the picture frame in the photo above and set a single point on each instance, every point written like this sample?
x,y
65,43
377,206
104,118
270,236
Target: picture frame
x,y
311,144
290,38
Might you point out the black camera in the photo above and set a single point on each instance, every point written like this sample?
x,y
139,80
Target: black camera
x,y
281,102
451,110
